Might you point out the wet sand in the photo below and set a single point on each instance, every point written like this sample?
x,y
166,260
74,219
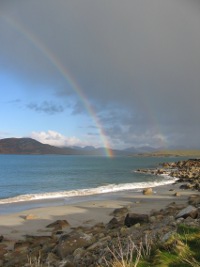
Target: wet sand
x,y
86,211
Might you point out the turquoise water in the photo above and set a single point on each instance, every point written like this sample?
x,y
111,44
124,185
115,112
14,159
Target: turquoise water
x,y
33,177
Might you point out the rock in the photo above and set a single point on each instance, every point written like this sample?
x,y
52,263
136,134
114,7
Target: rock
x,y
68,243
167,236
120,212
99,244
177,194
21,246
67,264
194,200
180,220
1,238
188,211
58,225
133,218
31,217
147,191
3,250
152,219
114,223
137,225
52,259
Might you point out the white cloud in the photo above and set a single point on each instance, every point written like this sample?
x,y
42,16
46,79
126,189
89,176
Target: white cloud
x,y
56,139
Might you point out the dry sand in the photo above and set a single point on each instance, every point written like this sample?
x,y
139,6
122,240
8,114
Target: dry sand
x,y
86,213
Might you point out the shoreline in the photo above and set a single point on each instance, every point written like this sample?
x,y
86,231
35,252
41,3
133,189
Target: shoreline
x,y
86,211
31,201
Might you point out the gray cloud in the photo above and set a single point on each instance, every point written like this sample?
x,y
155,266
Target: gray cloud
x,y
46,107
137,62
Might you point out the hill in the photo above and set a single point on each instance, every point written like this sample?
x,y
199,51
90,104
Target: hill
x,y
29,146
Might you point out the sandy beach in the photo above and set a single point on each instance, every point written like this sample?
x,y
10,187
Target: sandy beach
x,y
87,212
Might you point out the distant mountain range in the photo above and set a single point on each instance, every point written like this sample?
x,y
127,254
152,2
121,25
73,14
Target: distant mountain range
x,y
33,147
29,146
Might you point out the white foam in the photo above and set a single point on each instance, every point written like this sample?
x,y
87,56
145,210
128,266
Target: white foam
x,y
88,191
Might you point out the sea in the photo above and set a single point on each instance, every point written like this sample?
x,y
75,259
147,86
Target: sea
x,y
29,181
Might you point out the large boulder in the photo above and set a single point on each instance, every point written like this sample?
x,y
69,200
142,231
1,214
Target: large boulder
x,y
134,218
68,243
189,211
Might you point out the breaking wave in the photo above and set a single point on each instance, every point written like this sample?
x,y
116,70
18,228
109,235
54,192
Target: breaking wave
x,y
110,188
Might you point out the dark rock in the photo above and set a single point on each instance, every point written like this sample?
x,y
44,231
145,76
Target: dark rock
x,y
1,238
114,223
133,218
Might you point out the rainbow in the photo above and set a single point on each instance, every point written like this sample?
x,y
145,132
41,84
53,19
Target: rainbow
x,y
153,119
66,74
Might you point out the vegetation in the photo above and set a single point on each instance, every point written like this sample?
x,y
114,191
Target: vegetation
x,y
180,250
178,153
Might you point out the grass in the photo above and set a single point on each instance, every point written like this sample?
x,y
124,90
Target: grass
x,y
181,153
181,250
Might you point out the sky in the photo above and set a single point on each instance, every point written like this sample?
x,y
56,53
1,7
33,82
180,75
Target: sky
x,y
102,73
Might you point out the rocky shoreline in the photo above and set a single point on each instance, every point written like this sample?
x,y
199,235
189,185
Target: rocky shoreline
x,y
187,172
68,246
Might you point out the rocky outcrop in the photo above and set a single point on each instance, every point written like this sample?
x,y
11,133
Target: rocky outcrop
x,y
187,172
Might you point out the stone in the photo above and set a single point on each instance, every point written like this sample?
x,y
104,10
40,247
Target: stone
x,y
113,223
68,243
180,220
147,191
3,250
31,217
188,211
120,212
21,246
134,218
177,194
52,259
194,200
167,236
58,225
